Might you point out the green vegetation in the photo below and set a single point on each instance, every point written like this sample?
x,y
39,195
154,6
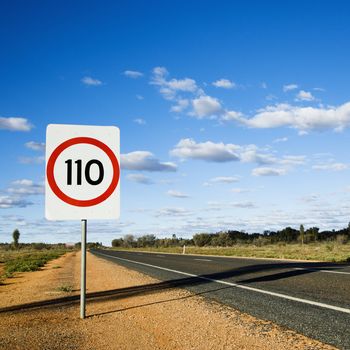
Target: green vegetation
x,y
30,257
67,288
288,243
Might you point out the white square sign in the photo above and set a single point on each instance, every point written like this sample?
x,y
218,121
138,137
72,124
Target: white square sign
x,y
82,172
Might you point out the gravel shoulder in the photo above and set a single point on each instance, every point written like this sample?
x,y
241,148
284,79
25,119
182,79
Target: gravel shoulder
x,y
128,311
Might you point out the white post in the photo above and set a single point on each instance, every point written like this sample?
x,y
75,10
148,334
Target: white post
x,y
83,268
184,250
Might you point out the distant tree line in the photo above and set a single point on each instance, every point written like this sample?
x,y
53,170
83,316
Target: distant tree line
x,y
35,246
232,237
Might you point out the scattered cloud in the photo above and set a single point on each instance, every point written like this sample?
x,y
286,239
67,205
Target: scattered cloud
x,y
263,85
173,212
181,105
208,151
133,74
26,187
222,180
177,194
290,87
281,139
15,124
304,96
301,118
206,106
292,160
140,178
224,83
266,171
7,202
32,160
331,166
144,160
244,205
140,121
35,146
240,190
140,97
91,81
169,88
220,153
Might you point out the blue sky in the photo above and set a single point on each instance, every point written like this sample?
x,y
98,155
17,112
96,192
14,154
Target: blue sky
x,y
233,115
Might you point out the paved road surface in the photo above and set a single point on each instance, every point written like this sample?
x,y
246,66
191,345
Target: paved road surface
x,y
311,298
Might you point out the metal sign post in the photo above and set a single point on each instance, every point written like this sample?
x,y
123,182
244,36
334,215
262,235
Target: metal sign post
x,y
83,269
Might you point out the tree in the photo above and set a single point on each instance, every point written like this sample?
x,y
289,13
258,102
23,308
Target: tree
x,y
117,242
129,241
302,233
15,236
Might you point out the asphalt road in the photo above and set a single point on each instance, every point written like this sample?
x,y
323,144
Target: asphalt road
x,y
310,298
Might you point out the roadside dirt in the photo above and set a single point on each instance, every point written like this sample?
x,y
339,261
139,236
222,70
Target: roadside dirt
x,y
130,318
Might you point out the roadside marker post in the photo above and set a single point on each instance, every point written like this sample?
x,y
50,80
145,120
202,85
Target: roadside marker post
x,y
82,179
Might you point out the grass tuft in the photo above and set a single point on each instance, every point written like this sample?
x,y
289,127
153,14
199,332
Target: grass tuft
x,y
67,288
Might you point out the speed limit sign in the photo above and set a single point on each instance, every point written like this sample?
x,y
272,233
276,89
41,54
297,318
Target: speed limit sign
x,y
82,172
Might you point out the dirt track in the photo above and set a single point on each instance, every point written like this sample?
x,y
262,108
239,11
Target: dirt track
x,y
132,319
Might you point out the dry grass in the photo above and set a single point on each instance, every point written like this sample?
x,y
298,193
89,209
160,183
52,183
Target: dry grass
x,y
323,251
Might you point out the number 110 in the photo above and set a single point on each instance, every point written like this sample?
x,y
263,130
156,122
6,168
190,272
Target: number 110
x,y
79,167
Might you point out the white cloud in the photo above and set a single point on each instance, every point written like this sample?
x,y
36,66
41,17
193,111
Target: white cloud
x,y
186,84
206,106
140,97
173,212
181,105
292,160
252,154
240,190
143,160
224,179
140,121
266,171
244,205
7,202
290,87
170,88
208,151
26,187
133,74
177,194
263,85
304,96
32,160
301,118
15,124
91,81
331,166
224,83
35,146
220,152
281,139
140,178
231,116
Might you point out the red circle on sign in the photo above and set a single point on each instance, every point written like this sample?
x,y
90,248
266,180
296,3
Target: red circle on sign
x,y
78,202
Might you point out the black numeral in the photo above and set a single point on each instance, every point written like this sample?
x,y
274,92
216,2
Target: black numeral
x,y
87,171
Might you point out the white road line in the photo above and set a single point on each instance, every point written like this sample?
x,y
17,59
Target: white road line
x,y
203,259
279,295
322,270
160,256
